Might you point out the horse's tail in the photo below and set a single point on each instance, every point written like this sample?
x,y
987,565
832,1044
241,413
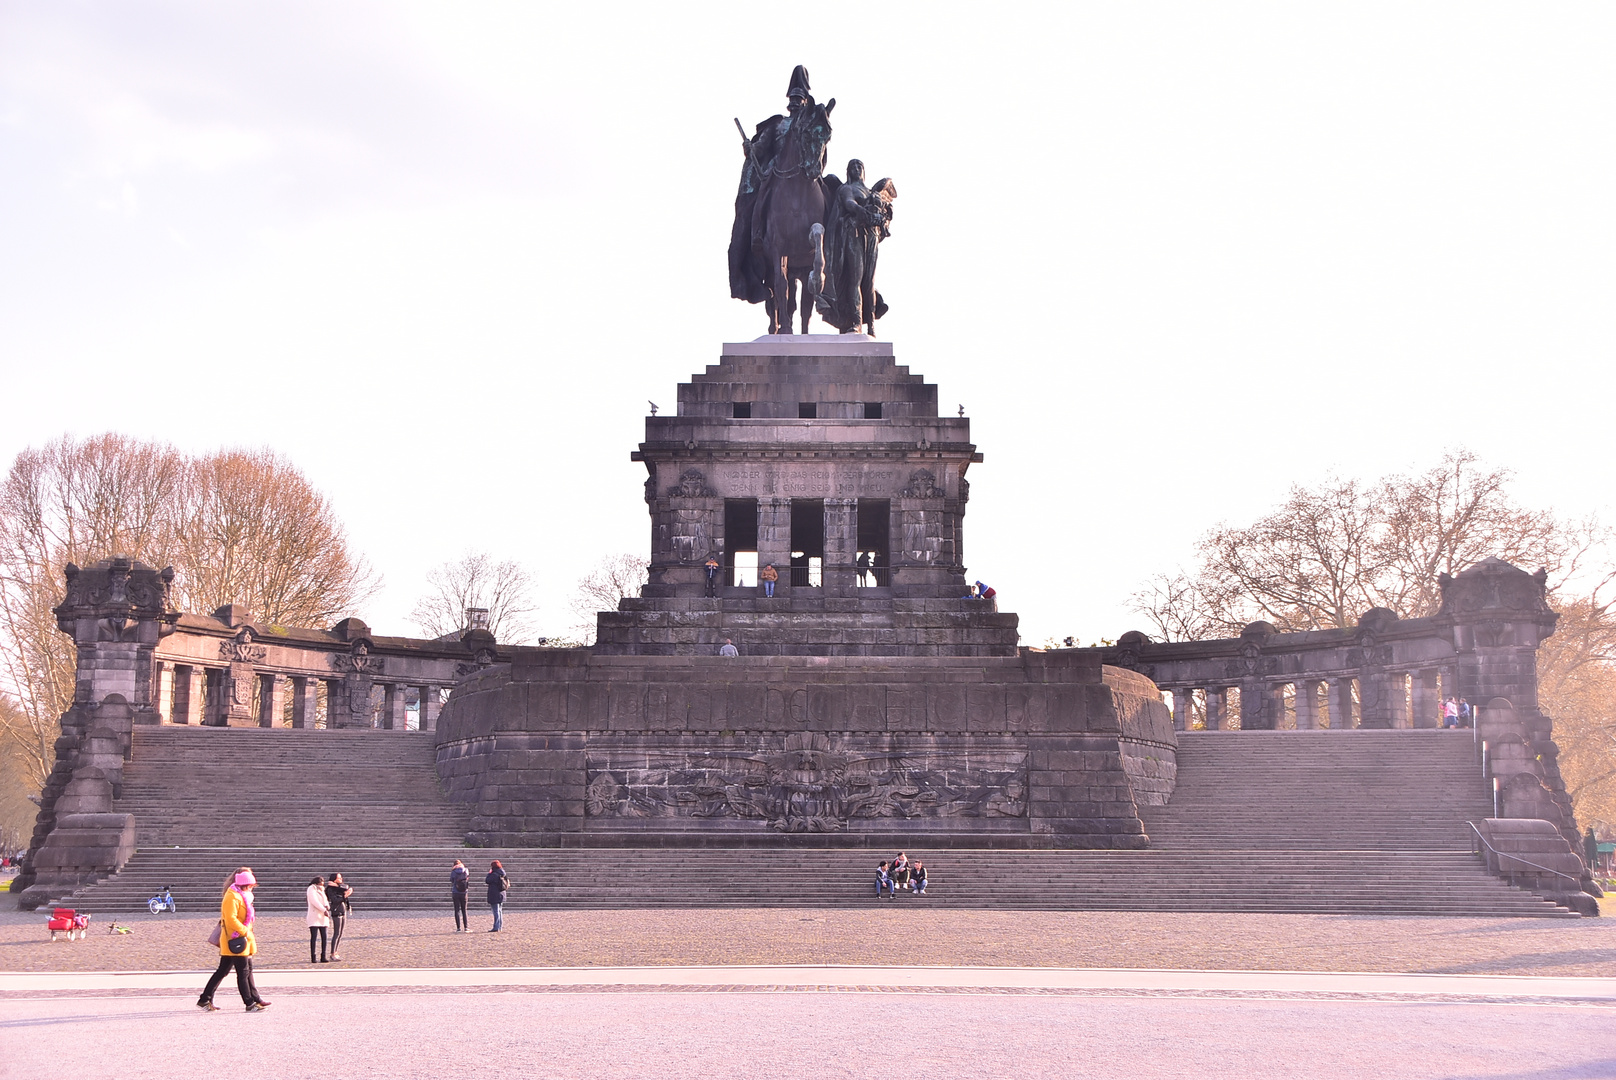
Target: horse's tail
x,y
816,237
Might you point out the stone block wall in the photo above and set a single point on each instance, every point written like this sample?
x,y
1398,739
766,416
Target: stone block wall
x,y
566,748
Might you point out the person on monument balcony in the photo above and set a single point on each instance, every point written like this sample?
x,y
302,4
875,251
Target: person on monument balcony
x,y
729,649
768,575
712,569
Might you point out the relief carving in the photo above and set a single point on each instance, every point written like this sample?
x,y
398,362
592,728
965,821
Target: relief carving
x,y
359,661
242,650
484,658
691,485
922,485
808,784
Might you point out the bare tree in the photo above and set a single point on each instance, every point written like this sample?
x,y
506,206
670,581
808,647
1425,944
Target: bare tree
x,y
613,578
476,580
1329,553
238,527
253,531
18,781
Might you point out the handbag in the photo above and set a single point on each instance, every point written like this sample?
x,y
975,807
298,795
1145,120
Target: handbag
x,y
238,945
218,929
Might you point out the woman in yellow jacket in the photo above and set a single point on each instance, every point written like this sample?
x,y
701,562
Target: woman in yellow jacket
x,y
236,944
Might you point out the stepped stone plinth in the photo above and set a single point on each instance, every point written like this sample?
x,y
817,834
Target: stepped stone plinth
x,y
871,700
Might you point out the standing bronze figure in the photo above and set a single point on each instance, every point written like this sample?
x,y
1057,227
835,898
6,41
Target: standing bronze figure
x,y
858,220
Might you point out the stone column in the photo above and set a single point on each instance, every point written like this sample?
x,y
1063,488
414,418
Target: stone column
x,y
196,695
1427,698
774,540
1215,707
271,700
336,703
165,692
1341,705
1274,707
841,546
429,708
1181,708
305,704
1307,705
394,717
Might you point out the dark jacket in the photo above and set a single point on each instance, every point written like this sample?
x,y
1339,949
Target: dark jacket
x,y
498,886
337,895
459,881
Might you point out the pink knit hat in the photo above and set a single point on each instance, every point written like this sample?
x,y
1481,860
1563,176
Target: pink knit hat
x,y
245,880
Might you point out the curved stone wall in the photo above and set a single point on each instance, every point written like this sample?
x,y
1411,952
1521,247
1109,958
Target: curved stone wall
x,y
565,747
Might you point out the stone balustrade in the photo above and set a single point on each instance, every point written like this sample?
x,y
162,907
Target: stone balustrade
x,y
226,670
1384,672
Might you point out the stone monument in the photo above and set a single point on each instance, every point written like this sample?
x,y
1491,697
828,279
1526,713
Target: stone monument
x,y
872,702
807,518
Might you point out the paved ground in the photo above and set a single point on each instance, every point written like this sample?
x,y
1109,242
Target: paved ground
x,y
562,1035
897,933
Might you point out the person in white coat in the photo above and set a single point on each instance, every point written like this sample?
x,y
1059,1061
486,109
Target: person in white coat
x,y
318,919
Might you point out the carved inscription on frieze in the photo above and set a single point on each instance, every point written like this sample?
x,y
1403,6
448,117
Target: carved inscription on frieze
x,y
807,782
808,481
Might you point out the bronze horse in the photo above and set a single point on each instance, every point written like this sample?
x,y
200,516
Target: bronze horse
x,y
791,203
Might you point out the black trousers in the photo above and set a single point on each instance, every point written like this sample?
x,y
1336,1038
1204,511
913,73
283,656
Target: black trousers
x,y
244,979
462,920
337,924
313,930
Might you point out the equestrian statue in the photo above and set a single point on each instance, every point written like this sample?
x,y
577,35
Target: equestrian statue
x,y
794,225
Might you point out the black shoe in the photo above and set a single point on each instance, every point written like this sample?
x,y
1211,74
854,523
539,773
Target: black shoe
x,y
207,1006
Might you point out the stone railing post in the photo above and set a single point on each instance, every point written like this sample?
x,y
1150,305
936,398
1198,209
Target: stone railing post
x,y
1182,697
1307,704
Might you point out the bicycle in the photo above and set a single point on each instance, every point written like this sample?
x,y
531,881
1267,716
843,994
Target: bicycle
x,y
163,901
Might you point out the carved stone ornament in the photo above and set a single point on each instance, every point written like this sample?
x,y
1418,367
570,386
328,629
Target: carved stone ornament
x,y
1250,656
359,660
1494,585
484,658
241,648
809,784
692,485
922,485
117,593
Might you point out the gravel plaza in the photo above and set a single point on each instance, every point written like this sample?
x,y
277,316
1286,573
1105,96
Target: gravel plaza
x,y
832,993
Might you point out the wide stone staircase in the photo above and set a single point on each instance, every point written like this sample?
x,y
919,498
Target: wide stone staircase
x,y
1364,822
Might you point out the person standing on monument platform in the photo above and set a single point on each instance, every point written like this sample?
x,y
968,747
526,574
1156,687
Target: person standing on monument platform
x,y
768,575
459,888
729,649
337,892
499,888
712,576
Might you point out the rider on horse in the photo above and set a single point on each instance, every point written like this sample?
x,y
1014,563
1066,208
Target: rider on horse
x,y
748,281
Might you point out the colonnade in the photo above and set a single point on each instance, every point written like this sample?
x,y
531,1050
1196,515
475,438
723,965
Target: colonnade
x,y
196,694
1337,701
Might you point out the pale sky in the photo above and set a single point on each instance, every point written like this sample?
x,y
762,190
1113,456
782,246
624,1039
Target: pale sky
x,y
1171,258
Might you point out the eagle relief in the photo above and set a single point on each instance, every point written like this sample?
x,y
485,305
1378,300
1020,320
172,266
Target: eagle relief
x,y
806,784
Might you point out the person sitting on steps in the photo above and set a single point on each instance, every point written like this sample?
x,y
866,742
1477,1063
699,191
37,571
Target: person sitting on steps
x,y
883,880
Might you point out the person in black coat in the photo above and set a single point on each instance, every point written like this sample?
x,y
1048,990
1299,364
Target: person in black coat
x,y
499,887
